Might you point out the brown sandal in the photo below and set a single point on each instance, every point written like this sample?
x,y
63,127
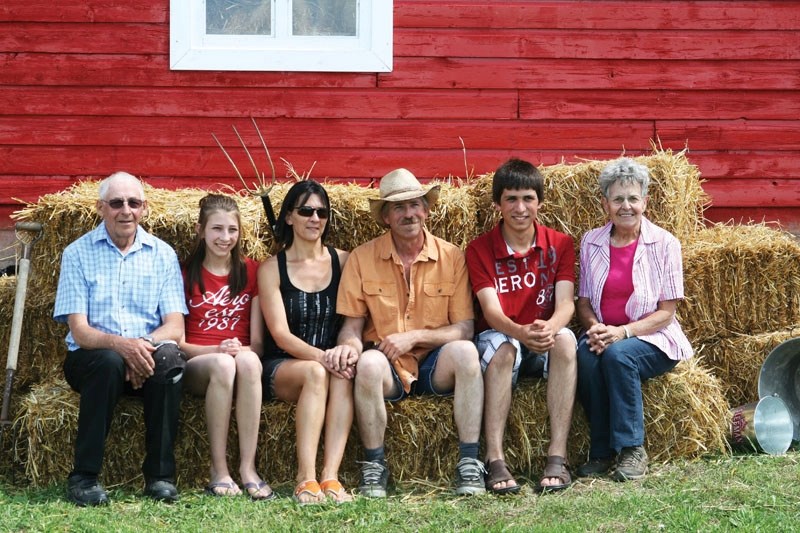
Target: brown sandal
x,y
555,467
498,472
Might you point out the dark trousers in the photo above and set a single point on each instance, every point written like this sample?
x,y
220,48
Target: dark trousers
x,y
610,390
99,377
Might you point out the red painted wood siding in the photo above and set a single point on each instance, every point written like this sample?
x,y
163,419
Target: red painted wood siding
x,y
85,89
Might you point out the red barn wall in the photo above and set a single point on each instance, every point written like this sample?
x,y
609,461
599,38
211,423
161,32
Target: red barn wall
x,y
85,89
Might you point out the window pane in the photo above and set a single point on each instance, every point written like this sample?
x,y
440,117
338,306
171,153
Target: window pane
x,y
324,17
239,17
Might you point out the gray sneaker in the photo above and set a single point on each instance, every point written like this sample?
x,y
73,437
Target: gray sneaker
x,y
631,464
470,477
374,479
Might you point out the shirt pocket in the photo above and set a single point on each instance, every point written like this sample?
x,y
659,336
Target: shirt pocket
x,y
140,294
382,303
437,303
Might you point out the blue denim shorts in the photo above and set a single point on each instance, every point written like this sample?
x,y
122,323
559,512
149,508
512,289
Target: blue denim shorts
x,y
423,385
270,367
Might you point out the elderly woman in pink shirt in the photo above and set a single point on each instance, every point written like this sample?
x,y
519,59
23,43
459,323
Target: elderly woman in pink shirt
x,y
631,280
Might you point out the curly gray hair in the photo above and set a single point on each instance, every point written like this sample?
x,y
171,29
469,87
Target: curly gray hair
x,y
624,171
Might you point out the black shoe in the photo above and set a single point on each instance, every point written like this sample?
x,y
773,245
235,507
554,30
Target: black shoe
x,y
161,490
85,491
595,467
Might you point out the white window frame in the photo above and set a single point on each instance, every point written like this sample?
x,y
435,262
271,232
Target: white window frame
x,y
192,49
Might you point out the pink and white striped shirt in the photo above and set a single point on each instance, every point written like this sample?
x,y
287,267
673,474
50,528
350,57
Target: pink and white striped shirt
x,y
657,276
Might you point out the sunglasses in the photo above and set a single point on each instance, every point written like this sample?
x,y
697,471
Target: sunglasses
x,y
307,211
117,203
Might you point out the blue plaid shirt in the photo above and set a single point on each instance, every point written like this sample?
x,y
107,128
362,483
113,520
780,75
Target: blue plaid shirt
x,y
127,295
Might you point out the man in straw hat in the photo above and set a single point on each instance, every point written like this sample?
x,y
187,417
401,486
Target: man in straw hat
x,y
409,320
523,275
121,293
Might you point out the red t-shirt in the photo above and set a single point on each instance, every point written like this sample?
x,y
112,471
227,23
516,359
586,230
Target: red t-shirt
x,y
525,282
216,315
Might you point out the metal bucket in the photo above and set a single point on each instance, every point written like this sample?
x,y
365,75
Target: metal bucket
x,y
780,376
764,425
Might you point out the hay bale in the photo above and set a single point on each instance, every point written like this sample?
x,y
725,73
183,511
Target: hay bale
x,y
737,361
41,344
739,280
685,416
572,197
48,422
68,214
172,216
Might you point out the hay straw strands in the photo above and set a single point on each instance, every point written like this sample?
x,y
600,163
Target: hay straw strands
x,y
737,361
685,413
572,197
739,279
42,347
685,416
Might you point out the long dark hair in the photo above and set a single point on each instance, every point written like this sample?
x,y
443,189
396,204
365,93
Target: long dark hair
x,y
237,277
296,197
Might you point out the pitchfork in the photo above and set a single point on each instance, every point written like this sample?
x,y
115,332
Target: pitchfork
x,y
27,233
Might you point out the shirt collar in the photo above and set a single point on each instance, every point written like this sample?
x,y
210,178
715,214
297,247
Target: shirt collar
x,y
100,233
429,249
501,248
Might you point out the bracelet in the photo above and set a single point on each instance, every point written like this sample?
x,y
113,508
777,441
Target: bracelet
x,y
627,332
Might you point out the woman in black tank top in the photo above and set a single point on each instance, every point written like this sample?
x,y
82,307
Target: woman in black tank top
x,y
297,289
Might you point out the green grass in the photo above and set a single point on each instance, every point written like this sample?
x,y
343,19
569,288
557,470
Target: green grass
x,y
745,493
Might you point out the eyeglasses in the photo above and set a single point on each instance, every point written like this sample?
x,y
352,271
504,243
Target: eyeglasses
x,y
117,203
632,200
306,211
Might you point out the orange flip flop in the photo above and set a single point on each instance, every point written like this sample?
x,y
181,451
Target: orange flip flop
x,y
309,487
334,490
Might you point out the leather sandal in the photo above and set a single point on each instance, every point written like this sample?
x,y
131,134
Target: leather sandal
x,y
498,472
556,467
309,487
334,490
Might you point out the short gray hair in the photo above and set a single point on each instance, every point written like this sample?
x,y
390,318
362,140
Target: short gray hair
x,y
124,176
624,171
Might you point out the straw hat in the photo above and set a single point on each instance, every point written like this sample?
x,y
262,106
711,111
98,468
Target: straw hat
x,y
397,186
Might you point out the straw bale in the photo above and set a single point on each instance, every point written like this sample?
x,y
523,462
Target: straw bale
x,y
41,343
572,196
739,280
68,214
685,416
737,361
685,413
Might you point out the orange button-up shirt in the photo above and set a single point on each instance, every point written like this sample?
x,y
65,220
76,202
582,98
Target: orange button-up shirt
x,y
373,286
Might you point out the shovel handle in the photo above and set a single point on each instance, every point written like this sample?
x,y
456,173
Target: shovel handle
x,y
28,225
19,307
7,396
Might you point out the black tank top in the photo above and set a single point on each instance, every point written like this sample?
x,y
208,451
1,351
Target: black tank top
x,y
311,315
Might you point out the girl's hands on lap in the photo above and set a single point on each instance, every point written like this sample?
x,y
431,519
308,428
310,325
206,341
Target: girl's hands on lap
x,y
230,346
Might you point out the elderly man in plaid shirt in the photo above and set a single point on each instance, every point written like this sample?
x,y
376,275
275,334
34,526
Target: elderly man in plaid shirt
x,y
121,293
